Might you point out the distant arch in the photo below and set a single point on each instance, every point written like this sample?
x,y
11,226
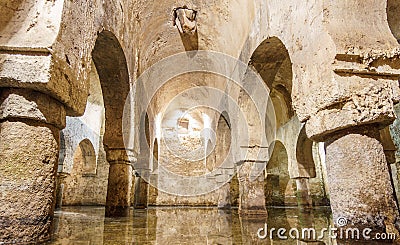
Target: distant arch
x,y
272,61
304,155
280,189
89,157
223,140
111,65
226,117
142,167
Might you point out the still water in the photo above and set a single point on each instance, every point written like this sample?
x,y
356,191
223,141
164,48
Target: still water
x,y
182,225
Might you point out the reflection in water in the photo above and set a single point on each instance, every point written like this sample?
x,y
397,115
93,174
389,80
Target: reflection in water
x,y
164,225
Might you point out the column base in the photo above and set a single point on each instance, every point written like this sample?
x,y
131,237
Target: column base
x,y
119,189
251,190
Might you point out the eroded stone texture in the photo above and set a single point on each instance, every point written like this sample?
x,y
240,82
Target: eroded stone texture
x,y
332,64
83,186
303,192
141,193
251,189
359,181
28,156
29,145
38,53
119,183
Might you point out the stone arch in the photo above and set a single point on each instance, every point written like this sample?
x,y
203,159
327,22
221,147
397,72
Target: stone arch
x,y
143,162
271,59
228,193
280,189
304,155
155,155
87,126
84,132
109,59
111,65
272,62
224,126
393,10
89,157
153,185
223,139
77,186
142,167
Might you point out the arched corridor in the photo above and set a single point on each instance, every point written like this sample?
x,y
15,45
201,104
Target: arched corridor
x,y
199,121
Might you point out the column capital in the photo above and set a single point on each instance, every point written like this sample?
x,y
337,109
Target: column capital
x,y
24,104
363,92
121,156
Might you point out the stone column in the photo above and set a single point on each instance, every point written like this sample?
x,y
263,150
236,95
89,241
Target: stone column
x,y
224,178
224,196
251,189
119,183
359,182
303,192
141,192
60,179
30,123
153,190
142,173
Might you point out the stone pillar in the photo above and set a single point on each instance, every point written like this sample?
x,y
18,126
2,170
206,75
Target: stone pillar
x,y
303,192
224,196
359,182
153,190
119,183
141,192
60,189
142,173
251,189
30,123
224,177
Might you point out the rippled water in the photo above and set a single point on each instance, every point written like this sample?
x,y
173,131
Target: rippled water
x,y
164,225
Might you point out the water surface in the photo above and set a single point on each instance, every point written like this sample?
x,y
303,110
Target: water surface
x,y
184,225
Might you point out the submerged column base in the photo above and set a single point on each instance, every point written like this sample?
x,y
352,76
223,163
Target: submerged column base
x,y
119,184
251,190
303,193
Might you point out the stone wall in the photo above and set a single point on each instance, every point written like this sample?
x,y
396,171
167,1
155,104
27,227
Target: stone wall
x,y
83,188
83,168
333,65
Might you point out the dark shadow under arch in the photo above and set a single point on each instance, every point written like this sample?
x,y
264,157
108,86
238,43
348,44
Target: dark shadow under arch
x,y
304,154
272,61
142,167
280,190
89,157
393,17
111,65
